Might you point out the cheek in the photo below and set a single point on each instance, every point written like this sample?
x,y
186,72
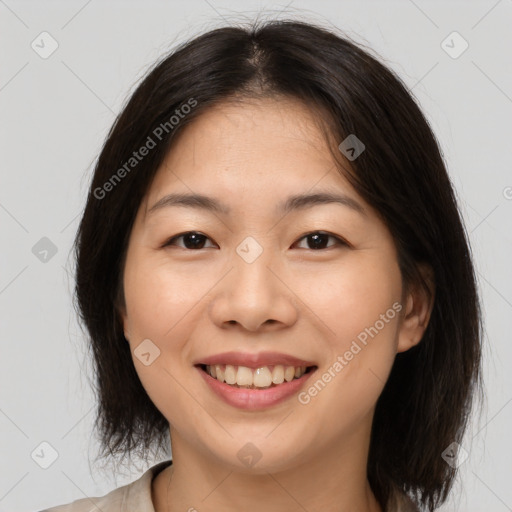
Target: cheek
x,y
160,307
352,296
360,305
159,296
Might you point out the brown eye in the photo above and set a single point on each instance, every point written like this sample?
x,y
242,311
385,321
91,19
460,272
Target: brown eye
x,y
191,240
318,240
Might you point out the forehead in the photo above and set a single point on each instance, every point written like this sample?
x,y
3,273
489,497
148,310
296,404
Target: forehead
x,y
259,145
281,115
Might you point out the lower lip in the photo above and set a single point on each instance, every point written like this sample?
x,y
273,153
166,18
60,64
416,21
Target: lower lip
x,y
244,398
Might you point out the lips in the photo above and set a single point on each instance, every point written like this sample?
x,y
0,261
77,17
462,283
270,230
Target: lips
x,y
256,360
254,399
260,395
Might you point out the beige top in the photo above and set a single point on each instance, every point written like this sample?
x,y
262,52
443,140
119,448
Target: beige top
x,y
136,497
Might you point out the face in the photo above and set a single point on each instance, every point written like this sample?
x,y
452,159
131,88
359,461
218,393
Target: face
x,y
318,281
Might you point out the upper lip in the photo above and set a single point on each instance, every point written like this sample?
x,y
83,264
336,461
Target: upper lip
x,y
254,360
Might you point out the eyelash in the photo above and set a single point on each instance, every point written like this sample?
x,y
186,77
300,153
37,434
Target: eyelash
x,y
340,240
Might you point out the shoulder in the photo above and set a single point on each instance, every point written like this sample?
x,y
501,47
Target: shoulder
x,y
133,496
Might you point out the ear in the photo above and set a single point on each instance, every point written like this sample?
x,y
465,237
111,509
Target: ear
x,y
125,327
419,302
125,323
120,307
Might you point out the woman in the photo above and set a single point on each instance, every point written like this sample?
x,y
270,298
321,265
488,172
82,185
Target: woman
x,y
274,274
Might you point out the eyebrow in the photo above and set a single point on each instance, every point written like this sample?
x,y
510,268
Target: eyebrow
x,y
292,203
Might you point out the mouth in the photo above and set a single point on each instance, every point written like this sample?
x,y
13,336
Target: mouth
x,y
261,378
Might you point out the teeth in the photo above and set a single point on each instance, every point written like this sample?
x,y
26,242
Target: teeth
x,y
244,376
264,377
230,374
219,372
278,374
289,373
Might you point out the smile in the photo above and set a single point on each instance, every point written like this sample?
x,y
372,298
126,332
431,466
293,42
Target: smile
x,y
264,394
255,378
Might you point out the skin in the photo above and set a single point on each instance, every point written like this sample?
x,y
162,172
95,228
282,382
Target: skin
x,y
307,302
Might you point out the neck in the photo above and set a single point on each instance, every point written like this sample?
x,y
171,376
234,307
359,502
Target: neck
x,y
334,480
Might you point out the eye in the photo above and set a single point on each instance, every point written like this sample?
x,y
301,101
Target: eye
x,y
318,240
194,240
191,239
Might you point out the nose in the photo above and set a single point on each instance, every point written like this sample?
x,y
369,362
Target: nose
x,y
254,296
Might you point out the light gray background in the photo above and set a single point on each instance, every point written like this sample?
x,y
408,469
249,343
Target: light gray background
x,y
55,114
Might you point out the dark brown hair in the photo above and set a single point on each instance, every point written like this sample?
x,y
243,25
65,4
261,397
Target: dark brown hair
x,y
428,397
